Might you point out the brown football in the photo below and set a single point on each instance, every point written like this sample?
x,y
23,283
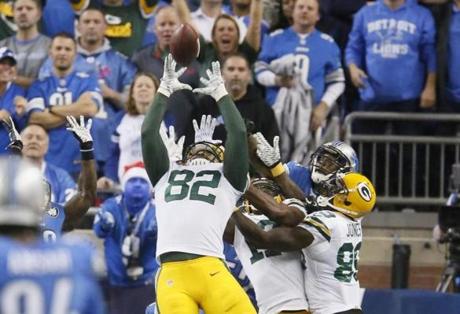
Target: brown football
x,y
185,45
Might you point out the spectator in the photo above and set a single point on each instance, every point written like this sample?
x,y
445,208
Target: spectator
x,y
396,35
247,98
29,45
128,226
225,34
205,17
12,101
151,60
126,23
36,142
7,26
65,92
240,11
58,17
301,69
285,15
126,139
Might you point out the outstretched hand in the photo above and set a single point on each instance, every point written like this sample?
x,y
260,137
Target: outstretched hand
x,y
213,85
170,80
81,131
205,131
174,148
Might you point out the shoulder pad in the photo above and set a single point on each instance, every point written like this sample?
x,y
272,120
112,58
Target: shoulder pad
x,y
82,74
327,37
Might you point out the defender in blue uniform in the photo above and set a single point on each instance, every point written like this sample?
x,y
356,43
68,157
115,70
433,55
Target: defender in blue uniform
x,y
36,277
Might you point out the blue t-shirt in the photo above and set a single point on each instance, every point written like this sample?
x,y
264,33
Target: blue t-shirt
x,y
64,149
48,278
316,56
7,103
396,48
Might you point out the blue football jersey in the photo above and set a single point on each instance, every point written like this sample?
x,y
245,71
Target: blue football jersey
x,y
43,278
63,187
316,55
53,220
7,103
64,150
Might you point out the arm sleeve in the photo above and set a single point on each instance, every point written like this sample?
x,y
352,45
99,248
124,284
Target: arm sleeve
x,y
262,71
236,157
154,151
427,45
355,47
97,228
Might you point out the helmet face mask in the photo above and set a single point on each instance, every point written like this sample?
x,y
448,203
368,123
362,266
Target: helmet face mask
x,y
357,197
329,160
203,153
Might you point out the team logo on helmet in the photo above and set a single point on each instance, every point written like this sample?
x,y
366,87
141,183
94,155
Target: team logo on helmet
x,y
364,192
52,211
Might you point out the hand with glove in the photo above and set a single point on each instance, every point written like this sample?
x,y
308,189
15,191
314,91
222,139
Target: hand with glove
x,y
170,80
205,131
174,149
83,135
106,220
270,155
214,85
15,144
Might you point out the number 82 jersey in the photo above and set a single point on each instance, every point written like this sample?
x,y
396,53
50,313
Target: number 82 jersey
x,y
331,275
193,206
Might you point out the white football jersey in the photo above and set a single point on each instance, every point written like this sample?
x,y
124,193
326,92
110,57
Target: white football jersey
x,y
331,277
277,277
193,205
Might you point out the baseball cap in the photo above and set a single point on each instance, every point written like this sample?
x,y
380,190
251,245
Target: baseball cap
x,y
7,53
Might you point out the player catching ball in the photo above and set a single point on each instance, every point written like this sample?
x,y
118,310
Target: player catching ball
x,y
195,198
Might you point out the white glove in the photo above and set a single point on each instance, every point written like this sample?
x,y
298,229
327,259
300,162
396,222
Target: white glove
x,y
269,155
214,85
205,131
174,149
170,80
81,131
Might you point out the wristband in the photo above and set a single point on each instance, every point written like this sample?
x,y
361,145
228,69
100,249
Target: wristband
x,y
277,170
87,154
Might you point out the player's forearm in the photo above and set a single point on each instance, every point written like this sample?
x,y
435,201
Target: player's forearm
x,y
154,152
252,233
278,212
290,189
46,119
236,157
79,204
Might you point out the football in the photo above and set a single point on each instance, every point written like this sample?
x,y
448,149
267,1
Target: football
x,y
185,45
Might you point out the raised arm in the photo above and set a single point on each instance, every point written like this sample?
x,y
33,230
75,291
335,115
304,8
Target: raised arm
x,y
280,238
79,204
154,151
253,35
281,213
236,157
